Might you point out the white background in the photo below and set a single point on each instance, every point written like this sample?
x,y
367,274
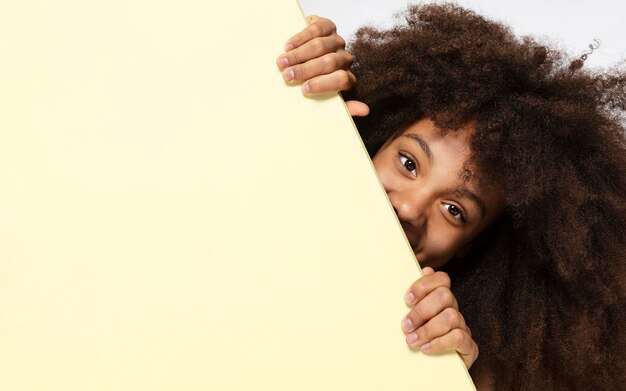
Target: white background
x,y
570,25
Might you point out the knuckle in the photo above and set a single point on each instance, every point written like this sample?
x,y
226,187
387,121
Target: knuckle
x,y
418,316
352,79
293,57
419,290
315,29
327,25
330,63
458,337
445,295
425,333
444,278
331,25
344,81
349,58
298,72
318,45
341,42
452,316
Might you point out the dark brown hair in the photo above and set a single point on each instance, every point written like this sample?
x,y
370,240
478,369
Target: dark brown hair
x,y
545,298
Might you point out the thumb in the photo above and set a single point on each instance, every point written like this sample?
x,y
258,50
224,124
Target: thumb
x,y
357,109
428,270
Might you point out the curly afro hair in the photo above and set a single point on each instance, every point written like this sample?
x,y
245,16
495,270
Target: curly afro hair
x,y
545,297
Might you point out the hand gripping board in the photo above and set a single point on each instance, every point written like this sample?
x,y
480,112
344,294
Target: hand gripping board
x,y
174,217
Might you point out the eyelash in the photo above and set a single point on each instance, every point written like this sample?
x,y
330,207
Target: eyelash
x,y
408,158
460,216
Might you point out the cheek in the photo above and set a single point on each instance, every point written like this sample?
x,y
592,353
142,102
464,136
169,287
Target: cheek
x,y
384,169
441,245
377,161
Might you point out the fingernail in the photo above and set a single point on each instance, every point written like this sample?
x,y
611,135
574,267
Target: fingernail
x,y
411,338
289,75
306,88
407,325
282,61
409,298
288,46
425,346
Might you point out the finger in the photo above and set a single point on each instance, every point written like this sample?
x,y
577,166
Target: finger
x,y
357,109
428,270
325,64
456,339
426,284
337,81
430,306
318,27
317,47
441,324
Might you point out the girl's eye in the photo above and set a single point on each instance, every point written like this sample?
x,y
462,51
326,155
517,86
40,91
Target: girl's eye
x,y
455,211
408,163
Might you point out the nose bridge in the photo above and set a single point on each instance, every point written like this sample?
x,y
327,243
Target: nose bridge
x,y
410,205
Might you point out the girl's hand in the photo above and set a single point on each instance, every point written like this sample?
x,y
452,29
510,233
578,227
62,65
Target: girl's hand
x,y
316,57
434,323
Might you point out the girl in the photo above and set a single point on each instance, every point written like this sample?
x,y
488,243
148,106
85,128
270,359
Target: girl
x,y
506,165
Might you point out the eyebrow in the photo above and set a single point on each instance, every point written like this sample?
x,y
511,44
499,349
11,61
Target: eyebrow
x,y
422,143
465,192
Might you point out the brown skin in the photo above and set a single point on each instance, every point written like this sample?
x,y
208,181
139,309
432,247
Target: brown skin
x,y
441,211
544,286
434,323
315,58
424,174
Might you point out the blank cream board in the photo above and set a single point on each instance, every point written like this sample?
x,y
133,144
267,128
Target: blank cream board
x,y
174,217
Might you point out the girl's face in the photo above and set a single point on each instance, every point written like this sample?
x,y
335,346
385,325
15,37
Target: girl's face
x,y
440,206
